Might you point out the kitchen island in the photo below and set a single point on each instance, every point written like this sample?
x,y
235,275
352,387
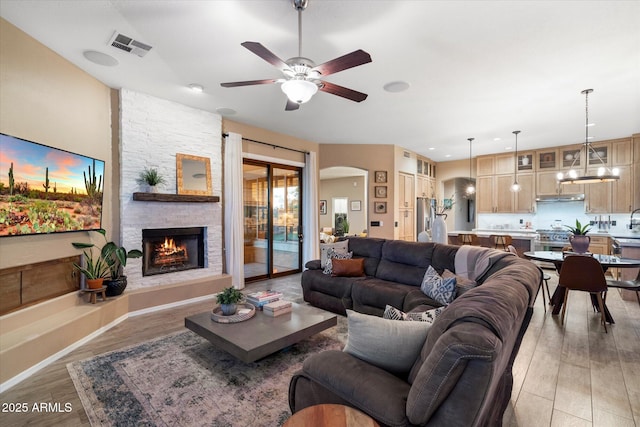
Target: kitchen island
x,y
523,239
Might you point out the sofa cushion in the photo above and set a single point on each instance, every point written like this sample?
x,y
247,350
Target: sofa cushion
x,y
341,247
347,267
404,262
333,255
370,249
463,284
391,345
372,295
434,286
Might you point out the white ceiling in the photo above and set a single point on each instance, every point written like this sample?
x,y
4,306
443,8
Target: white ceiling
x,y
476,68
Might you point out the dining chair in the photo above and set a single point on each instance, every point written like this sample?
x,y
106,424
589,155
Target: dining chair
x,y
545,277
583,273
500,241
630,285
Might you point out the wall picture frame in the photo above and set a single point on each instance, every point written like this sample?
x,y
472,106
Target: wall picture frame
x,y
380,207
381,191
356,205
380,177
323,207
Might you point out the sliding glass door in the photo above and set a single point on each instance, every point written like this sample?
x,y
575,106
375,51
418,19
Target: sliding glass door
x,y
272,220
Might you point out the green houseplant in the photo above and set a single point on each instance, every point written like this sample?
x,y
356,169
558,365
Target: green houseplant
x,y
228,299
150,177
115,258
95,269
579,239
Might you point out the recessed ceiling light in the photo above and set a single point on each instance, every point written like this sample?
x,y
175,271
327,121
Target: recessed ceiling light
x,y
196,87
497,139
447,155
508,148
398,86
432,148
223,111
100,58
591,124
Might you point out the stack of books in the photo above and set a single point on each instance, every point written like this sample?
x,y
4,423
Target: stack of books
x,y
277,308
262,298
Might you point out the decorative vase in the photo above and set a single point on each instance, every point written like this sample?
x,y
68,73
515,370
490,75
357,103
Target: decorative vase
x,y
95,283
439,229
228,309
116,287
152,188
580,243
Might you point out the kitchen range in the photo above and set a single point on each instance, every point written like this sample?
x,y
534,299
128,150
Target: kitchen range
x,y
551,240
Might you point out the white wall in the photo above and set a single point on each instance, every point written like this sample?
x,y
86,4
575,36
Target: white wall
x,y
153,130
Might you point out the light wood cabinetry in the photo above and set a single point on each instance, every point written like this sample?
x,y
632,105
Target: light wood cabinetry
x,y
406,198
635,142
622,191
525,198
505,163
503,197
485,165
621,152
425,187
484,194
494,195
600,245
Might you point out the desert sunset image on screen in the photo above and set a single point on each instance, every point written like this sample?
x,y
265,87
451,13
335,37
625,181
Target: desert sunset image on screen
x,y
47,190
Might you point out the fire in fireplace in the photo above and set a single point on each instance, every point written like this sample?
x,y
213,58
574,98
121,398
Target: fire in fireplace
x,y
167,250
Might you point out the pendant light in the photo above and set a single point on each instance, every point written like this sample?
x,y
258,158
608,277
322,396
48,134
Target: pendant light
x,y
515,187
471,189
604,174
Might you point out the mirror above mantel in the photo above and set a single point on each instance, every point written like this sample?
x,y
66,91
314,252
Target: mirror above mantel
x,y
193,174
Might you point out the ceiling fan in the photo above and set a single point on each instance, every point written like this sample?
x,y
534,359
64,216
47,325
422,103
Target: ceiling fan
x,y
302,77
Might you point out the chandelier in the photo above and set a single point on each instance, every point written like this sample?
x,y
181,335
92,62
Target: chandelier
x,y
515,187
470,188
604,174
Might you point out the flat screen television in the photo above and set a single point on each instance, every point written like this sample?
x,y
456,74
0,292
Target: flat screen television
x,y
47,190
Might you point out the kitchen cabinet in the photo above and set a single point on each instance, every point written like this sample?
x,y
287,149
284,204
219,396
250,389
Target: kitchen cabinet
x,y
485,166
406,192
425,187
525,161
494,195
600,245
406,225
547,159
621,153
547,185
505,164
570,157
598,197
611,197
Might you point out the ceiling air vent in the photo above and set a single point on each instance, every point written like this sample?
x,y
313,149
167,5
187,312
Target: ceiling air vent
x,y
122,42
407,154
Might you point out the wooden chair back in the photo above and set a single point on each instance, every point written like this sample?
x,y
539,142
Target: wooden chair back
x,y
582,273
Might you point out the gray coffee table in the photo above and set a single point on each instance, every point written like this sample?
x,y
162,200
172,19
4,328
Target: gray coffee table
x,y
262,335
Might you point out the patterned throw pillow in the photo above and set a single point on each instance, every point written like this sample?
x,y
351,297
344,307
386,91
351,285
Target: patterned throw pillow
x,y
333,254
437,288
341,247
429,316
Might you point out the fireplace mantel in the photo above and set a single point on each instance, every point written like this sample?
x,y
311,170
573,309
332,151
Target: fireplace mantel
x,y
159,197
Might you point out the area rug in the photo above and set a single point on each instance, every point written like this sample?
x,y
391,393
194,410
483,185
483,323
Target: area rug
x,y
183,380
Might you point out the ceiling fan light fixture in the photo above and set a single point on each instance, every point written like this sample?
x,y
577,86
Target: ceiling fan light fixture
x,y
299,91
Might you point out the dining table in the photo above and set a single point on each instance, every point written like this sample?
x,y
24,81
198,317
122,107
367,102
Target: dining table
x,y
557,258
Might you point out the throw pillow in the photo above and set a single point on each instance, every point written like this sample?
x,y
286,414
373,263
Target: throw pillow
x,y
437,288
391,345
347,267
462,283
429,316
328,267
340,247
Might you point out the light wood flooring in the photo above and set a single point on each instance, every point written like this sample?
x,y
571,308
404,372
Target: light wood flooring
x,y
571,375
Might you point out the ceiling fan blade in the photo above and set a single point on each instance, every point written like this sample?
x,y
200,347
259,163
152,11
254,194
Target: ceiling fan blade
x,y
342,91
291,105
350,60
249,83
266,54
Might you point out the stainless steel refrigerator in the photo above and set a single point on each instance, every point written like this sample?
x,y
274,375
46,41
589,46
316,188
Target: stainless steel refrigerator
x,y
425,214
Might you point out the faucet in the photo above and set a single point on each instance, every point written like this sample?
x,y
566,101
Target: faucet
x,y
631,224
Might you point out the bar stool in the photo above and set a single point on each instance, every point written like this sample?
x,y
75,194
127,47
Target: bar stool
x,y
468,239
501,241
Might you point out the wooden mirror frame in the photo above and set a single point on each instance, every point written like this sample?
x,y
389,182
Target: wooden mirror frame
x,y
183,185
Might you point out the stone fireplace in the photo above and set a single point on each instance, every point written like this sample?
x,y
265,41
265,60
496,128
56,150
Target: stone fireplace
x,y
168,250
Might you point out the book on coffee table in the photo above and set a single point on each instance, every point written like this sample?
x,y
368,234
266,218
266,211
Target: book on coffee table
x,y
277,308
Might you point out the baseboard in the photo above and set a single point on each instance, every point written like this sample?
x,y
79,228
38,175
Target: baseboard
x,y
170,305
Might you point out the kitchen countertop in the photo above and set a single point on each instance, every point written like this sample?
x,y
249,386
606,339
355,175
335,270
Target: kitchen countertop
x,y
517,234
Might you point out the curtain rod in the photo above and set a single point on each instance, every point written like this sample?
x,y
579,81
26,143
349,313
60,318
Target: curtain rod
x,y
270,145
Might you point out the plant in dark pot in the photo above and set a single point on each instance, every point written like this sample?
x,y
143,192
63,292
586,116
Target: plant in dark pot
x,y
115,257
579,239
228,299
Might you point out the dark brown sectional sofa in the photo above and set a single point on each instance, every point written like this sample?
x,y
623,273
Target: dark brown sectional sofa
x,y
462,376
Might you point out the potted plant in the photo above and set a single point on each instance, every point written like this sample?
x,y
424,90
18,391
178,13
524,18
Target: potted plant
x,y
228,299
151,178
94,269
579,239
115,258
